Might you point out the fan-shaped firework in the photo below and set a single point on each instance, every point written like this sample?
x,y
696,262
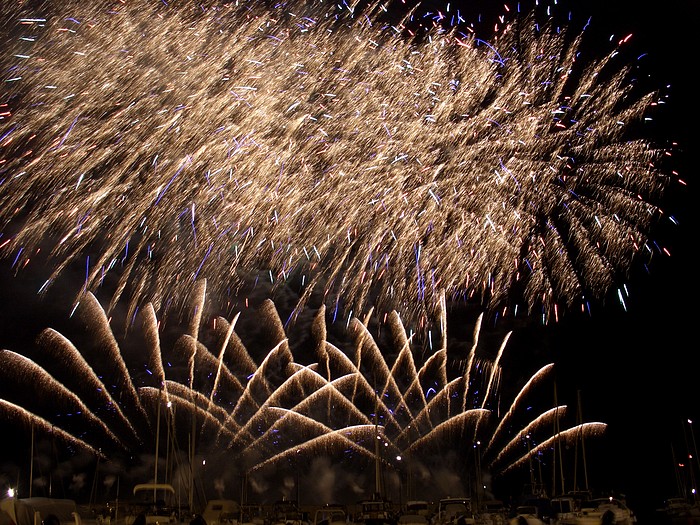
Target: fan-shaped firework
x,y
273,415
320,149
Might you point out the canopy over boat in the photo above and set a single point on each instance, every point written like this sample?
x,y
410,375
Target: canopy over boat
x,y
32,511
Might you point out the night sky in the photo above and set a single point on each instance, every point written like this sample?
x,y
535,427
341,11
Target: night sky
x,y
636,368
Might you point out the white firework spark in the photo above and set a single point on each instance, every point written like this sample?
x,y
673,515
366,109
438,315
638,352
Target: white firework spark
x,y
323,150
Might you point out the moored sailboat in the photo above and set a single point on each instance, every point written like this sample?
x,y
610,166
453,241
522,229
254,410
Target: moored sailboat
x,y
578,506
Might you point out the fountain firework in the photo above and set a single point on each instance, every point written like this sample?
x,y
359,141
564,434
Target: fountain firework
x,y
321,147
262,416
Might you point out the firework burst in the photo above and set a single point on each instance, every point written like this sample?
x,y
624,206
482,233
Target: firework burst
x,y
320,149
262,415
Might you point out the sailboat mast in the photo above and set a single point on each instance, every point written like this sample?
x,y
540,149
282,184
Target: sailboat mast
x,y
529,458
192,451
583,444
31,463
557,449
377,466
695,455
688,456
116,503
93,489
680,485
155,473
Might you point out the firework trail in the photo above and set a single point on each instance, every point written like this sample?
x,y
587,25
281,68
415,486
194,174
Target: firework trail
x,y
152,145
287,412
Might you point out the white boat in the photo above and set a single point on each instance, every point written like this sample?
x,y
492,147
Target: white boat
x,y
331,515
492,512
33,511
526,515
221,512
564,509
287,512
418,506
455,511
376,511
603,511
153,504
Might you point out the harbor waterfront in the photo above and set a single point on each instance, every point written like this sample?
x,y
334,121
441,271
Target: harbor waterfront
x,y
447,511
